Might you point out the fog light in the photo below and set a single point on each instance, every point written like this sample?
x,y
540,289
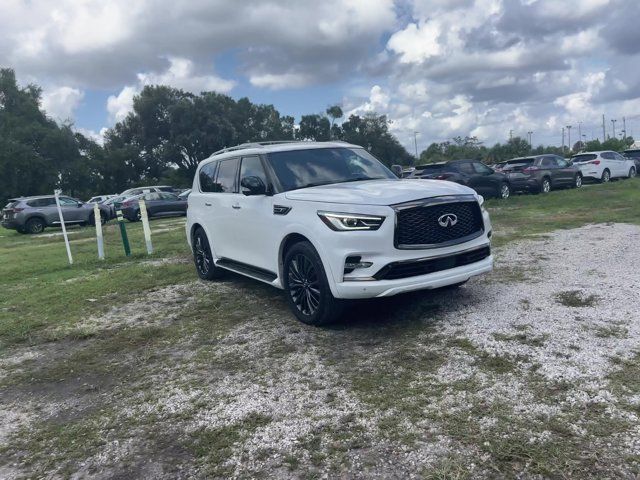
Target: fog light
x,y
353,262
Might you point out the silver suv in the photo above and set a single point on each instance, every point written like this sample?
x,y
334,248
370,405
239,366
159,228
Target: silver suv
x,y
34,214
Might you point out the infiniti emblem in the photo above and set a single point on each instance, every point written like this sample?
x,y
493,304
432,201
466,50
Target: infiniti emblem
x,y
448,220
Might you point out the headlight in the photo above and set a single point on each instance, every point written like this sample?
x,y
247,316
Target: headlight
x,y
343,222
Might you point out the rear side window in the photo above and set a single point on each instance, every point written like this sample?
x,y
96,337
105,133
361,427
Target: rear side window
x,y
548,162
608,155
166,189
226,177
465,168
208,177
41,202
584,158
481,168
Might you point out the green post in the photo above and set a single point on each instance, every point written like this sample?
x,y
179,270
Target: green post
x,y
123,229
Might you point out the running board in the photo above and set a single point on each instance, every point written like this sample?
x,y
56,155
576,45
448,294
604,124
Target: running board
x,y
248,270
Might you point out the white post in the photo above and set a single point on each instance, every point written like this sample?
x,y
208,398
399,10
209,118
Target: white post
x,y
145,225
64,229
98,221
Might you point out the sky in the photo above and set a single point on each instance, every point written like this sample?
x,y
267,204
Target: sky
x,y
440,68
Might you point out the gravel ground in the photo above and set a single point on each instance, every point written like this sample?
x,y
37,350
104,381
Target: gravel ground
x,y
524,372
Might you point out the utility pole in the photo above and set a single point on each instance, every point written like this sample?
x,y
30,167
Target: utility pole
x,y
604,131
613,125
580,131
530,144
563,140
510,135
569,141
415,142
624,127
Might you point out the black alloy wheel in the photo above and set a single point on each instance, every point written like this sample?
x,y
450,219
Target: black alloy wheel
x,y
308,292
35,225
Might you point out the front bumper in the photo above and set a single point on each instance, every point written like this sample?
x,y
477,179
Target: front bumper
x,y
387,288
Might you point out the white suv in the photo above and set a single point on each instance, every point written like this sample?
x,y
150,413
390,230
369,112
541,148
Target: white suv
x,y
327,221
604,166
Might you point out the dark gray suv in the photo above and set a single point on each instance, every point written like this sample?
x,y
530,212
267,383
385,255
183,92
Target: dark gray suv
x,y
34,214
540,173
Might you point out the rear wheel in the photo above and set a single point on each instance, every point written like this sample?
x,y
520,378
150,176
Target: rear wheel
x,y
34,225
606,176
545,187
632,172
577,182
504,192
308,292
203,258
135,217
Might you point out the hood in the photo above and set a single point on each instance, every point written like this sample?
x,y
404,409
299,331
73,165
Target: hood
x,y
378,192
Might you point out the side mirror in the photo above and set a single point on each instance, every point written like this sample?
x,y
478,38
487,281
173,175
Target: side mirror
x,y
397,170
253,186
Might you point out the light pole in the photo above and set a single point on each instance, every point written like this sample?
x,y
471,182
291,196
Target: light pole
x,y
613,124
569,134
530,144
580,131
415,142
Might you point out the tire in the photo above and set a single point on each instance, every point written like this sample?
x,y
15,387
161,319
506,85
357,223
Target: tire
x,y
504,192
203,259
545,186
308,292
135,217
34,225
606,176
577,182
632,172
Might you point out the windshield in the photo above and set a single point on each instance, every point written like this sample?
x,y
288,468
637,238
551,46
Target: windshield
x,y
323,166
583,158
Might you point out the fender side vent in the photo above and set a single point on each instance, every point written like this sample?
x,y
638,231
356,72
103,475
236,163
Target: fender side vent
x,y
281,210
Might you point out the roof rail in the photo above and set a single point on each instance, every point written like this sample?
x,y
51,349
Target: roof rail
x,y
243,146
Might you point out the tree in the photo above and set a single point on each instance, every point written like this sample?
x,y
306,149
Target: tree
x,y
314,127
334,112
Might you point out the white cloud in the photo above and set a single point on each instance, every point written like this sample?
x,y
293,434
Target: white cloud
x,y
180,74
280,81
416,43
60,103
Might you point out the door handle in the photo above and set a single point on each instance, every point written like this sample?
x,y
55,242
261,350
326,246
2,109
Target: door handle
x,y
236,206
207,204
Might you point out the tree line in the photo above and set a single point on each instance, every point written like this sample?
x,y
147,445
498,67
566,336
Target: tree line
x,y
460,148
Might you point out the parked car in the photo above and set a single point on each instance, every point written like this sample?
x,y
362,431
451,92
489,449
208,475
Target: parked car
x,y
159,204
603,166
634,154
100,198
471,173
153,188
540,173
326,222
34,214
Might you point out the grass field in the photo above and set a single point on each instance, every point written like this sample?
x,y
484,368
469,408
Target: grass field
x,y
131,367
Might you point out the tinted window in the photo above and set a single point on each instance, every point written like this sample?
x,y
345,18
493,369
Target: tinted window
x,y
465,168
42,202
632,154
607,155
67,201
584,158
168,196
152,196
548,162
323,166
428,170
562,163
226,178
165,189
481,168
208,177
617,156
252,167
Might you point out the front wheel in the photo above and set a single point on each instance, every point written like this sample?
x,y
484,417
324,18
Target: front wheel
x,y
577,183
632,172
504,191
546,185
308,292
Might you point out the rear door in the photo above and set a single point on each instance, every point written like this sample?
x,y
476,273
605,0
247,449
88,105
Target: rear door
x,y
609,162
565,171
624,164
219,200
485,179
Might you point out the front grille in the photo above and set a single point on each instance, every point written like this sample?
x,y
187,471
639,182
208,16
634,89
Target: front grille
x,y
413,268
418,227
